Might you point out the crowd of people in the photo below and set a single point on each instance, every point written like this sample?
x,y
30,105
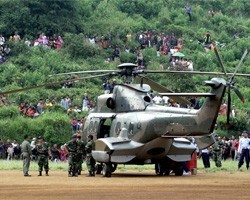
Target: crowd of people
x,y
12,151
165,45
235,148
4,50
30,110
53,42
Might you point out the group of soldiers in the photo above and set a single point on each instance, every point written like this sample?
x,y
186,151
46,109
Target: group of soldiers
x,y
77,151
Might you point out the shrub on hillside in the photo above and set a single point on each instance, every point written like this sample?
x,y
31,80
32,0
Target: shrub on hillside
x,y
55,127
8,112
78,46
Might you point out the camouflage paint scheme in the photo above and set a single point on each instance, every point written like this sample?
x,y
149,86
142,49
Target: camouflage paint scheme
x,y
141,132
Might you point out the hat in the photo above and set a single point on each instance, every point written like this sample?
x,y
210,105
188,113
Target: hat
x,y
245,132
73,136
40,137
79,135
216,135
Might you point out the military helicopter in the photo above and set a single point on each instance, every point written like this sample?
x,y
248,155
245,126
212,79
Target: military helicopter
x,y
130,128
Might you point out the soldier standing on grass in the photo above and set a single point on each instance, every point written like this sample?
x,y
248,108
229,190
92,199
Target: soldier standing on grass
x,y
217,150
43,152
90,162
26,155
72,147
80,153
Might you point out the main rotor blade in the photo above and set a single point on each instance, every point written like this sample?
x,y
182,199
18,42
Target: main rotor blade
x,y
238,66
50,84
192,72
86,72
238,93
188,94
220,61
161,89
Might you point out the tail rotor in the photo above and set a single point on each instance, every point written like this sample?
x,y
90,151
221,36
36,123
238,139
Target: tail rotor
x,y
231,83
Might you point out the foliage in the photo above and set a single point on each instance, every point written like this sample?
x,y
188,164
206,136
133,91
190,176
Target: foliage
x,y
75,20
54,126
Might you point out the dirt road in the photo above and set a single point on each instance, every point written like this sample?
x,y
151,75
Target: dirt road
x,y
125,185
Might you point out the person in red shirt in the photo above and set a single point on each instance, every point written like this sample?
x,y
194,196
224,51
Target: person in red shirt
x,y
74,123
236,145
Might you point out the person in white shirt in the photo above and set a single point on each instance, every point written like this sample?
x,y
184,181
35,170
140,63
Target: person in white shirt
x,y
244,146
10,152
157,100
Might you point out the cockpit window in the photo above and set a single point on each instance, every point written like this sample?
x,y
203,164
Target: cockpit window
x,y
118,128
131,128
91,126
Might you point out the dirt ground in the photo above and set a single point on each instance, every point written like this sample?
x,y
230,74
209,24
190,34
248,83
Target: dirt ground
x,y
127,184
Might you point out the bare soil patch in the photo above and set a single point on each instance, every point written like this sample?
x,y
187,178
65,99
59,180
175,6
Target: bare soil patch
x,y
129,184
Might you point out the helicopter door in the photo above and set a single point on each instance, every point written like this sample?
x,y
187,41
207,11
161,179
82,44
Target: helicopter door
x,y
104,128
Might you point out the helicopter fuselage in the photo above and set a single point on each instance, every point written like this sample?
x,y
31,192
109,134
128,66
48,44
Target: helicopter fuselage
x,y
130,128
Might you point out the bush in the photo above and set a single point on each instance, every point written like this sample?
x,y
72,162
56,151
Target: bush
x,y
78,46
55,127
8,112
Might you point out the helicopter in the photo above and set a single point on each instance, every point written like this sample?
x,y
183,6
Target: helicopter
x,y
129,128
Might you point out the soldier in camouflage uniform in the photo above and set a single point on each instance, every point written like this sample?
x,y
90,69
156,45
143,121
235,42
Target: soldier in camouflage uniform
x,y
72,147
90,162
217,150
43,153
80,153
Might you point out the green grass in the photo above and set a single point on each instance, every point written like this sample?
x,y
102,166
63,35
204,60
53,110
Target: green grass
x,y
227,166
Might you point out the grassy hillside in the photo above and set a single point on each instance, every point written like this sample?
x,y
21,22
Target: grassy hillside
x,y
74,20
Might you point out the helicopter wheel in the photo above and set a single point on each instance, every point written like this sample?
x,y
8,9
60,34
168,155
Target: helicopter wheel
x,y
114,166
99,168
178,170
107,170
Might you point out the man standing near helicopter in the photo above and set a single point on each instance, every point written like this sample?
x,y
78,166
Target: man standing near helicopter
x,y
80,153
90,162
244,146
72,147
43,152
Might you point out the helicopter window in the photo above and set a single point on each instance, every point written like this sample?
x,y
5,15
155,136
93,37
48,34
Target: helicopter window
x,y
147,99
131,128
108,122
95,128
118,128
91,127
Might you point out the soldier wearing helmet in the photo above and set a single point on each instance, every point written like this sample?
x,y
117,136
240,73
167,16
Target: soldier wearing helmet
x,y
43,152
72,146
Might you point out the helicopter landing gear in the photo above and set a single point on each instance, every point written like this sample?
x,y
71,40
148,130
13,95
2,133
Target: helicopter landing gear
x,y
108,169
99,168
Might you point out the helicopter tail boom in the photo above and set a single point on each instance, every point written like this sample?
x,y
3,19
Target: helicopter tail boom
x,y
209,111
